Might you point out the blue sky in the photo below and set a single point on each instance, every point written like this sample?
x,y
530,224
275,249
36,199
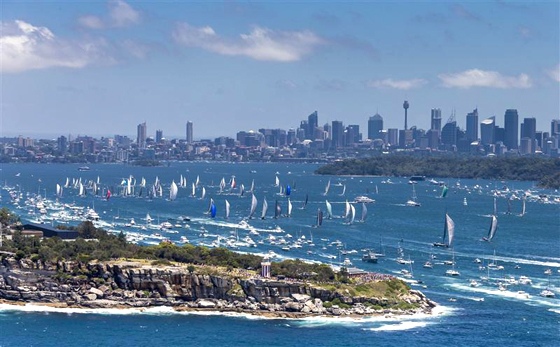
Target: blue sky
x,y
102,67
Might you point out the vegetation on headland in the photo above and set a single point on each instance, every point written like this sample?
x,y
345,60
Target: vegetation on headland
x,y
545,171
96,244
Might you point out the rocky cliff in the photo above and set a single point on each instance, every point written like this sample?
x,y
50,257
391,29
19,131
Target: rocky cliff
x,y
134,284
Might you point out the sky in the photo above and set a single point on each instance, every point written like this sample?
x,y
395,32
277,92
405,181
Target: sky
x,y
102,67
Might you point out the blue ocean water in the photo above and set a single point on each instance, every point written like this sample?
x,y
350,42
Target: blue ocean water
x,y
475,316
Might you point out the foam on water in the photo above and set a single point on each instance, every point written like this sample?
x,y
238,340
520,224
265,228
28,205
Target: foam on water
x,y
400,326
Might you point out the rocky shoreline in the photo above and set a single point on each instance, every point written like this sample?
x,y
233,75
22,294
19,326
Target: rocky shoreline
x,y
126,285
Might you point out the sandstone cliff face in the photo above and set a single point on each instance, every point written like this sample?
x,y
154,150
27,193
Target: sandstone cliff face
x,y
118,285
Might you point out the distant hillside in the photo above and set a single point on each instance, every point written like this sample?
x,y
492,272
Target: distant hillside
x,y
545,171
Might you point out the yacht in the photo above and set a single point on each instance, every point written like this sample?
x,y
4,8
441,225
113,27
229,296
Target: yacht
x,y
347,262
547,294
370,257
428,265
452,272
474,283
364,200
525,280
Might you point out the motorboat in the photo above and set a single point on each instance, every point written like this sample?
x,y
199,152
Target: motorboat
x,y
364,200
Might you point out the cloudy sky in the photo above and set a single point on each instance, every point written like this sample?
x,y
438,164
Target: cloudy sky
x,y
101,67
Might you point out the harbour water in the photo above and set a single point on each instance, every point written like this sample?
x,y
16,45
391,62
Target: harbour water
x,y
497,311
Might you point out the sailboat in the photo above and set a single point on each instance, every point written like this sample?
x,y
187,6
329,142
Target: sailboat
x,y
449,231
193,192
343,190
197,181
264,208
289,208
227,209
212,209
288,190
241,189
452,272
443,192
253,206
305,202
173,191
328,187
319,218
67,184
508,206
329,209
203,194
277,210
495,206
276,181
412,202
364,213
523,210
252,187
352,214
222,185
58,190
492,230
465,203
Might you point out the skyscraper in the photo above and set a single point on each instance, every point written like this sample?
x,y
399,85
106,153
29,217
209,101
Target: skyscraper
x,y
511,124
353,134
375,126
190,138
337,134
312,123
449,134
405,106
159,136
488,131
436,119
529,128
554,127
141,135
472,126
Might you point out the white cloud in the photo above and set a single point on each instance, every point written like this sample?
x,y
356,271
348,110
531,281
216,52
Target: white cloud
x,y
121,14
91,22
136,49
27,47
554,73
396,84
286,84
260,44
482,78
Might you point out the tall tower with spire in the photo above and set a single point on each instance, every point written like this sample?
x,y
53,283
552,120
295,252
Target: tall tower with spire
x,y
405,106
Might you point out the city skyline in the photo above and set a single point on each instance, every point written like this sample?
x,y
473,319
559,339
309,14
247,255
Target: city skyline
x,y
245,66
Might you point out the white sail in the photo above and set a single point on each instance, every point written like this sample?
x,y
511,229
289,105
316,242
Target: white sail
x,y
329,209
495,207
289,208
58,190
81,191
450,230
98,180
276,182
66,185
160,191
253,206
241,189
523,208
129,187
252,186
227,209
222,184
148,218
343,190
493,228
353,214
376,189
143,182
197,180
327,188
264,209
156,183
364,212
347,211
173,191
203,194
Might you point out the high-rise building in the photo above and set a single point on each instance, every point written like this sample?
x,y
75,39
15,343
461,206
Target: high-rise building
x,y
405,106
472,126
554,127
337,134
375,127
529,128
488,131
511,124
353,134
62,144
393,137
526,146
141,135
159,136
190,138
449,134
436,119
312,123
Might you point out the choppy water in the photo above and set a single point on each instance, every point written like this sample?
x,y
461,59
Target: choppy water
x,y
480,315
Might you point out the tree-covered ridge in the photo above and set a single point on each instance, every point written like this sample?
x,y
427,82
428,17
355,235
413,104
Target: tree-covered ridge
x,y
96,244
545,171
